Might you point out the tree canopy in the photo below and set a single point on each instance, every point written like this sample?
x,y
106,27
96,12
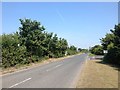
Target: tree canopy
x,y
97,50
111,43
32,43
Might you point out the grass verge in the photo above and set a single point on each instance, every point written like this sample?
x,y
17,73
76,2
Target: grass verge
x,y
98,75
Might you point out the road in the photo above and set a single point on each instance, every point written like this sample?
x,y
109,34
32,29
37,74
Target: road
x,y
59,74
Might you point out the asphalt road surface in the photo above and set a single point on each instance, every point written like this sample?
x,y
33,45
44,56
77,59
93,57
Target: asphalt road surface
x,y
59,74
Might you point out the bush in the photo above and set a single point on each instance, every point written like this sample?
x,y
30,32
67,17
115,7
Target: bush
x,y
31,44
112,42
113,56
97,50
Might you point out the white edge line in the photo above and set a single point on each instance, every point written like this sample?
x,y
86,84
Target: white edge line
x,y
19,82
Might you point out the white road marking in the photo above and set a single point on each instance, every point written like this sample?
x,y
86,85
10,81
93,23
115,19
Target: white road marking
x,y
54,67
58,65
19,83
47,70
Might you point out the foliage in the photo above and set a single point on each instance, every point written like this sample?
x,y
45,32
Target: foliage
x,y
72,50
32,44
84,50
97,50
32,36
113,56
112,43
79,49
109,39
12,54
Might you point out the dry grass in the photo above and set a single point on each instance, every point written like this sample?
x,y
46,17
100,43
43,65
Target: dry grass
x,y
98,75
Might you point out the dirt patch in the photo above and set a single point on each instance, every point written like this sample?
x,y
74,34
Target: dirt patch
x,y
98,75
32,65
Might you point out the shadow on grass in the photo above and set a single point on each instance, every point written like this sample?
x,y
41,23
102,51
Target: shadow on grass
x,y
116,67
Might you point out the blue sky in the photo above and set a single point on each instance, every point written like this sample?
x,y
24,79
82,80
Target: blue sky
x,y
81,23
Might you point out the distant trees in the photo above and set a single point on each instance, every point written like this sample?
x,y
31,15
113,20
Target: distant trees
x,y
84,50
31,44
79,49
97,50
72,50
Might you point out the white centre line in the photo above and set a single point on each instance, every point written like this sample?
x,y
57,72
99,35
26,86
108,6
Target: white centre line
x,y
58,65
19,83
54,67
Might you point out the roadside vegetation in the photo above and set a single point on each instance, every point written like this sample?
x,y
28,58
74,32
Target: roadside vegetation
x,y
111,43
32,43
97,50
98,75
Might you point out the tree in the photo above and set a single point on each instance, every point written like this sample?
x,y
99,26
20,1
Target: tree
x,y
31,44
113,46
62,47
84,50
79,49
116,33
47,44
40,43
109,39
72,50
32,36
12,54
97,50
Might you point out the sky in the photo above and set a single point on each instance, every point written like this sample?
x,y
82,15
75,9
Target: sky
x,y
83,24
60,0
